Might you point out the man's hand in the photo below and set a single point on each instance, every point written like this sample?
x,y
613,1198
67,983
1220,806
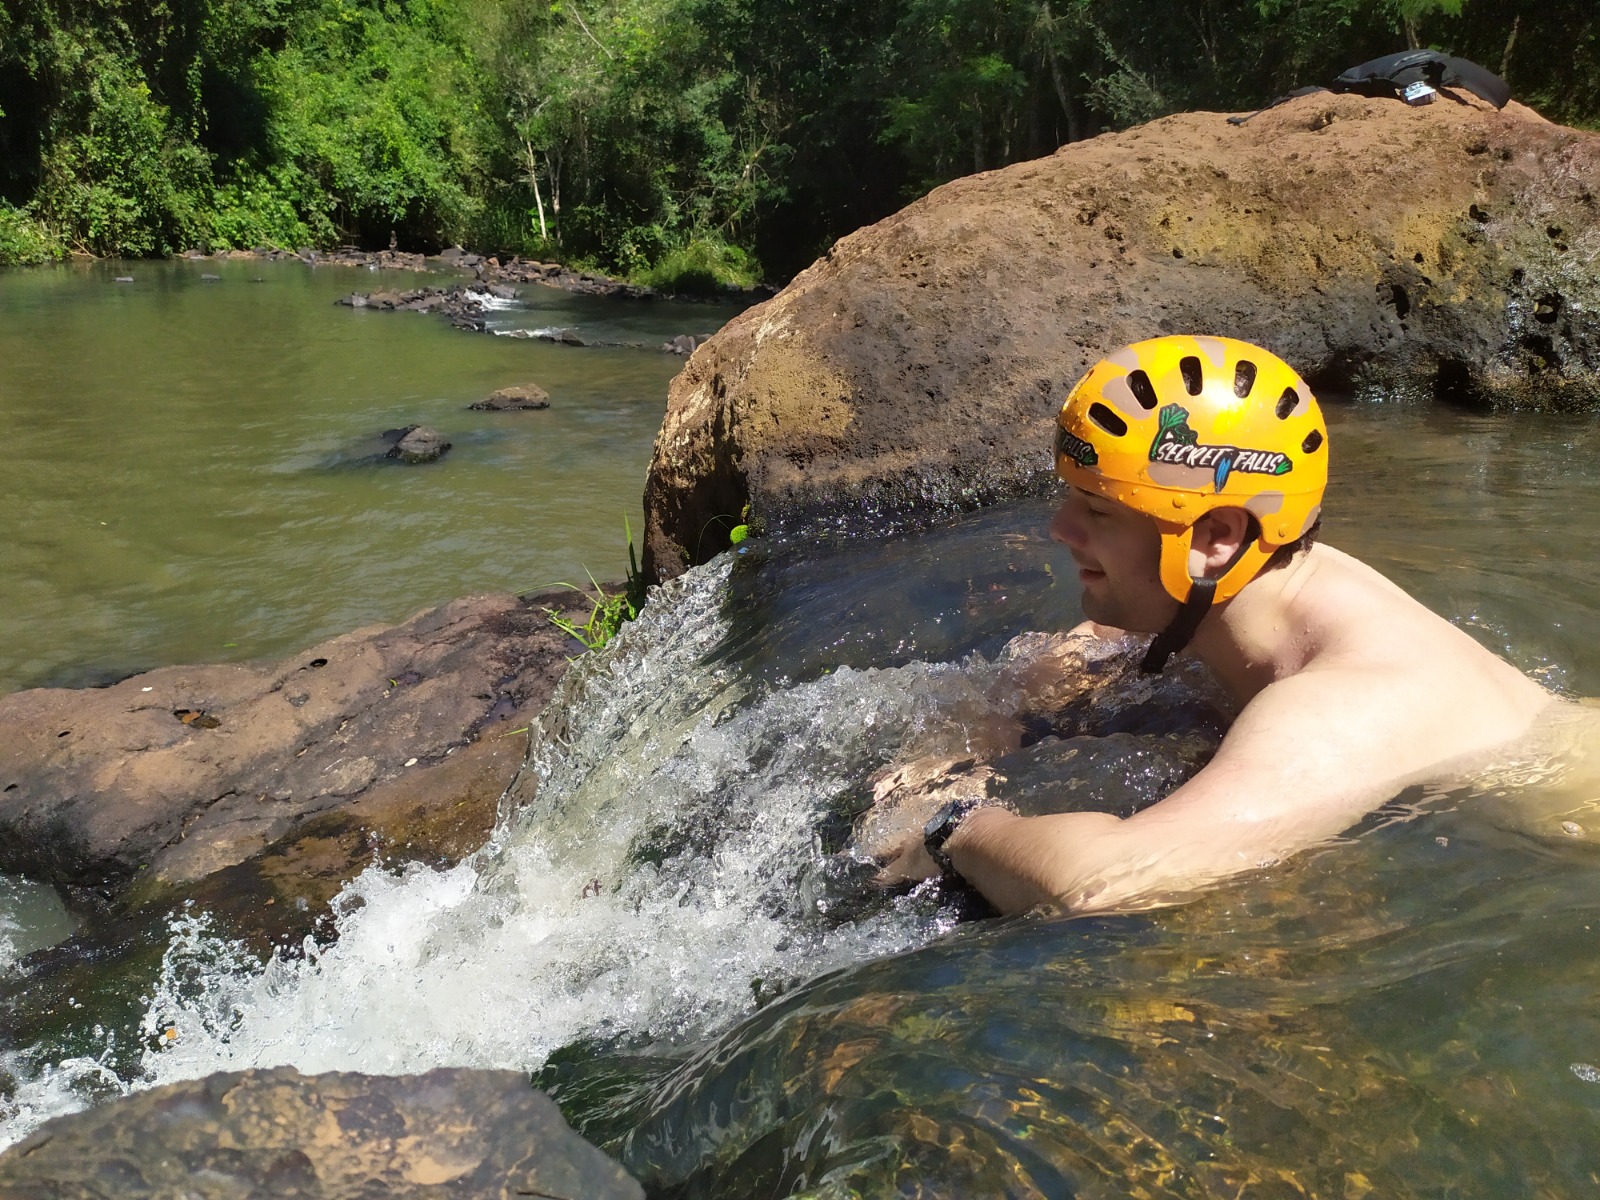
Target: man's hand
x,y
907,863
904,799
1043,672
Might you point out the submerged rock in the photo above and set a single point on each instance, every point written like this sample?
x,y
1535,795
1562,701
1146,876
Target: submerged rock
x,y
686,344
918,365
518,398
418,444
452,1131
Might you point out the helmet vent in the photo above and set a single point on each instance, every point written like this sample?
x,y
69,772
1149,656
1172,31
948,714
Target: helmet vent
x,y
1244,378
1193,380
1287,403
1143,390
1107,420
1313,440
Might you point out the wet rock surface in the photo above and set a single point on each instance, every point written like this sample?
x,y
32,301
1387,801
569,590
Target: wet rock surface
x,y
273,1133
520,398
464,304
417,444
393,738
686,344
917,367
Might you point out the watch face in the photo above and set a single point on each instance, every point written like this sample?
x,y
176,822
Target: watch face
x,y
938,830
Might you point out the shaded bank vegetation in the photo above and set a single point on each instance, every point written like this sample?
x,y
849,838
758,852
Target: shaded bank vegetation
x,y
672,141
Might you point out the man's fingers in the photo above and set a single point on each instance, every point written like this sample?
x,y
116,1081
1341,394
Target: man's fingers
x,y
907,862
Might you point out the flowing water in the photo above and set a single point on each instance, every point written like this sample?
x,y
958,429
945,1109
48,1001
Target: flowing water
x,y
671,929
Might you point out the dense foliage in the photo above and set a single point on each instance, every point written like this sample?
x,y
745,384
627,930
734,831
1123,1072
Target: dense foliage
x,y
670,140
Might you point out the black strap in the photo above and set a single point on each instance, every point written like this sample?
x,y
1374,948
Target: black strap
x,y
1283,99
1181,628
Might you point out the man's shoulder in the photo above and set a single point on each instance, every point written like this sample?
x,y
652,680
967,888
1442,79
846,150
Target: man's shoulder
x,y
1354,617
1395,704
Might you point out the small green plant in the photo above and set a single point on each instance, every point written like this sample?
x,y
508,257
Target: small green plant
x,y
739,528
742,530
606,615
607,611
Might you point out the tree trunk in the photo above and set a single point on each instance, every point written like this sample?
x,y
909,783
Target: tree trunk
x,y
1511,40
1074,129
533,178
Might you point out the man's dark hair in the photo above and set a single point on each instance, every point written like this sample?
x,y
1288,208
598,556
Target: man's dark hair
x,y
1282,556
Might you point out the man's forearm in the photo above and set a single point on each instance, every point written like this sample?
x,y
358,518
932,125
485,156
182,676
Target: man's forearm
x,y
1019,862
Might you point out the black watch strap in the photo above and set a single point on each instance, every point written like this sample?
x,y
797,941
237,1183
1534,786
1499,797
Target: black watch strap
x,y
941,826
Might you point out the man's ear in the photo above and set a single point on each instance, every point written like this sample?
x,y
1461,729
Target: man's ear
x,y
1218,537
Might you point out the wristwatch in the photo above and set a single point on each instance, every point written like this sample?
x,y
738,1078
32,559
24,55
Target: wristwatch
x,y
939,828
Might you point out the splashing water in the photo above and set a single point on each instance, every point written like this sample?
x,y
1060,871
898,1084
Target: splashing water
x,y
661,864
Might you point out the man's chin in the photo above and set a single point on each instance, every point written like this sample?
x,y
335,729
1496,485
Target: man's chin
x,y
1104,610
1099,611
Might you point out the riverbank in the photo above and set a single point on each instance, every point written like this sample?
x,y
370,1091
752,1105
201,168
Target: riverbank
x,y
489,270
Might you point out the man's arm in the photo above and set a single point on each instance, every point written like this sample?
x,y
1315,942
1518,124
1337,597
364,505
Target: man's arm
x,y
1304,761
1039,673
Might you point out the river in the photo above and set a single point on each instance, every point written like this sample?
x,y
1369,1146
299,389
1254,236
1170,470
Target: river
x,y
672,934
188,470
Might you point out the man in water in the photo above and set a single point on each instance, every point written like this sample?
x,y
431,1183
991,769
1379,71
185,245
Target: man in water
x,y
1195,469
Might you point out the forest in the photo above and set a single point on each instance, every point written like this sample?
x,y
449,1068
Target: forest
x,y
723,142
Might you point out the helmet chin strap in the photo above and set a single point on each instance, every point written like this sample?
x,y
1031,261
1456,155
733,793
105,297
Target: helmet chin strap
x,y
1181,628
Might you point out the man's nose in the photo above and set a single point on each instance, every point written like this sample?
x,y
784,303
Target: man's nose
x,y
1064,527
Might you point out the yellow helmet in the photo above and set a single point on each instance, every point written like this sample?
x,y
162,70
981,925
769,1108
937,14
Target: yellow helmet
x,y
1176,426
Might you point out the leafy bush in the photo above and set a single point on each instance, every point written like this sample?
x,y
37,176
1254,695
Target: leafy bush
x,y
23,240
701,267
116,179
256,210
375,124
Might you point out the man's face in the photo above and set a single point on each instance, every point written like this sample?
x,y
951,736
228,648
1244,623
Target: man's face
x,y
1118,555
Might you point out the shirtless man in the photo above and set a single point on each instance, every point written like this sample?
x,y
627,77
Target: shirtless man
x,y
1195,470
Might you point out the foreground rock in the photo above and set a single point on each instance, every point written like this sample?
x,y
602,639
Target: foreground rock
x,y
360,746
919,364
458,1133
520,398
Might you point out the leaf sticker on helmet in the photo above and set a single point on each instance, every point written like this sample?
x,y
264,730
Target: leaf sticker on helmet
x,y
1172,425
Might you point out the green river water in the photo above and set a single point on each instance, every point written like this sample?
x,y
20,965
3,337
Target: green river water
x,y
181,482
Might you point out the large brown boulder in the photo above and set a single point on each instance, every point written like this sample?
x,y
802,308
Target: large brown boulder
x,y
389,740
917,365
471,1135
